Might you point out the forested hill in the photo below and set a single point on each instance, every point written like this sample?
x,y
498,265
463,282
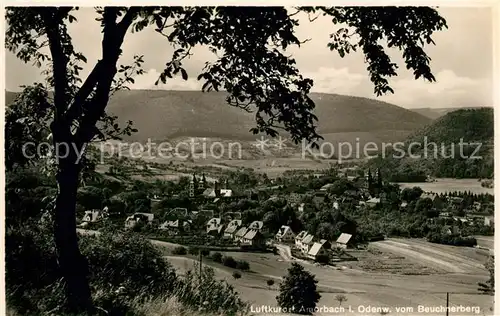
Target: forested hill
x,y
443,157
162,114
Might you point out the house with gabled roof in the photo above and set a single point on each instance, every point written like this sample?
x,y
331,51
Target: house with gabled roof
x,y
215,230
92,216
298,239
254,238
489,221
136,218
326,244
285,234
373,202
213,222
240,233
317,249
307,243
214,226
257,225
232,228
176,226
344,241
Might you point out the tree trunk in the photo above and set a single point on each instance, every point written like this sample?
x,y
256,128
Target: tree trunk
x,y
73,264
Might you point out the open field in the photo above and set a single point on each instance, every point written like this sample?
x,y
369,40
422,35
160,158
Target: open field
x,y
486,241
442,269
443,185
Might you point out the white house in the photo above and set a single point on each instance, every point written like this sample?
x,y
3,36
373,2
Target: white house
x,y
257,225
300,208
298,239
232,228
326,187
489,221
285,234
316,250
344,240
134,219
240,234
176,225
307,243
213,223
373,202
253,238
92,216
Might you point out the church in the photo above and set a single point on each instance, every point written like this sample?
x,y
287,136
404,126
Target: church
x,y
201,188
374,186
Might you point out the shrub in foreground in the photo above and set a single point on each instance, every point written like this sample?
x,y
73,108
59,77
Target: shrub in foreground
x,y
217,257
242,265
125,271
179,251
298,292
229,261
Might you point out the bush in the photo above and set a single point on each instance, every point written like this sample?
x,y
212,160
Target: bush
x,y
205,252
194,250
179,251
298,291
242,265
236,275
270,282
454,240
126,261
216,296
217,257
229,261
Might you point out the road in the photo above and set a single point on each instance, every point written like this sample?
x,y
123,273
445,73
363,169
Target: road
x,y
285,252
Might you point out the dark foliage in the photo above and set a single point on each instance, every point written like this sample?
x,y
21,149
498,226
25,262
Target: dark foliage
x,y
298,292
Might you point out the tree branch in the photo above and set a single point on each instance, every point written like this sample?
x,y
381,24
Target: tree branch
x,y
59,59
114,34
96,75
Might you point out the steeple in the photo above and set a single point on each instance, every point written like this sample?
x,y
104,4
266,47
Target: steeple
x,y
369,181
379,178
192,186
369,177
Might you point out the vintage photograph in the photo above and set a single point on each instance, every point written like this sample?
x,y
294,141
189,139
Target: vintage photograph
x,y
249,160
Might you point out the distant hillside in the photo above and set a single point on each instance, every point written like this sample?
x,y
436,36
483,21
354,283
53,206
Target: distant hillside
x,y
470,125
161,114
435,113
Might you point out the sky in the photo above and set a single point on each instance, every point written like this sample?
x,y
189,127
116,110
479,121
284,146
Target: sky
x,y
461,60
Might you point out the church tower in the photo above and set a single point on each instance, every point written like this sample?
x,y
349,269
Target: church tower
x,y
192,186
379,179
201,183
369,182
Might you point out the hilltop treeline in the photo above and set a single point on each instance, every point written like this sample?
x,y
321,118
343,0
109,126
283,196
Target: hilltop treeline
x,y
436,149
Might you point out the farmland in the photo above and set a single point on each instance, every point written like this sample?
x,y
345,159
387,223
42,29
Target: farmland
x,y
437,269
